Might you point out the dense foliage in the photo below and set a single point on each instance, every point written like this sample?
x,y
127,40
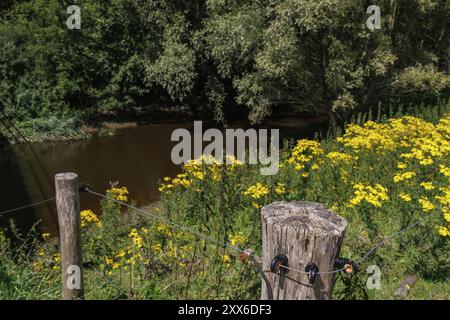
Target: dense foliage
x,y
382,176
219,55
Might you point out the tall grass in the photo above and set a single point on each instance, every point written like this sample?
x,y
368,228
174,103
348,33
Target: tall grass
x,y
380,176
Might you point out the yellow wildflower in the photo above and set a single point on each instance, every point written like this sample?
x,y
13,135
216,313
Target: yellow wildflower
x,y
57,261
401,165
405,197
88,217
426,204
257,191
304,152
372,195
119,194
137,239
403,176
427,185
444,231
447,216
200,175
280,189
336,156
236,238
444,170
256,205
226,259
57,257
121,254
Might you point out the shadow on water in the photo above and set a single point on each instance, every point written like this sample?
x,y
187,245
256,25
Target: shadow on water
x,y
22,182
136,157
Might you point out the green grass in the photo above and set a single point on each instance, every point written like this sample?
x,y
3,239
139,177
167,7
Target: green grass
x,y
42,129
133,256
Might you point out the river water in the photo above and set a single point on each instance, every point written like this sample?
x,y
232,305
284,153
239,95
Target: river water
x,y
136,157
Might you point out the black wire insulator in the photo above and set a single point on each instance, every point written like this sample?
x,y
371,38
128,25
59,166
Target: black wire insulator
x,y
279,261
313,271
84,187
349,266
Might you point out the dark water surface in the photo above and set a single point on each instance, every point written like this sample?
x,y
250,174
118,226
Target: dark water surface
x,y
135,157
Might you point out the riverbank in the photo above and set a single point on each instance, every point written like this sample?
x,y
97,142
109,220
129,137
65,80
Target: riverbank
x,y
53,129
135,154
381,176
65,128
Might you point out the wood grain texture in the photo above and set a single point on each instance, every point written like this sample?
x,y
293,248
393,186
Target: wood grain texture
x,y
305,232
68,207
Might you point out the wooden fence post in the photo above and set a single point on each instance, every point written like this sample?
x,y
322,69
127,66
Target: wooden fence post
x,y
304,232
68,206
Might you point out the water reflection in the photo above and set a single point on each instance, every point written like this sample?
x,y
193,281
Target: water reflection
x,y
136,157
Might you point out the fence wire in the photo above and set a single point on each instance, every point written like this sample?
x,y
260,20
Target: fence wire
x,y
27,206
253,255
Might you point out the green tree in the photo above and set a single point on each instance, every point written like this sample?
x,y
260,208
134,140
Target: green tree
x,y
221,55
320,56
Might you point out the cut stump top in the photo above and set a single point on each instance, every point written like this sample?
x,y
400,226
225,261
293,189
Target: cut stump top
x,y
304,215
66,176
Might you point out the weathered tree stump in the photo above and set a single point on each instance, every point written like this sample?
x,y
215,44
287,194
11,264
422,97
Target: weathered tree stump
x,y
305,232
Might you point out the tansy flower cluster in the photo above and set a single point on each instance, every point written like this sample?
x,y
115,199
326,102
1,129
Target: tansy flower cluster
x,y
444,201
199,170
119,193
372,195
280,189
405,197
257,191
88,217
336,156
303,153
403,176
137,239
445,171
395,134
426,204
